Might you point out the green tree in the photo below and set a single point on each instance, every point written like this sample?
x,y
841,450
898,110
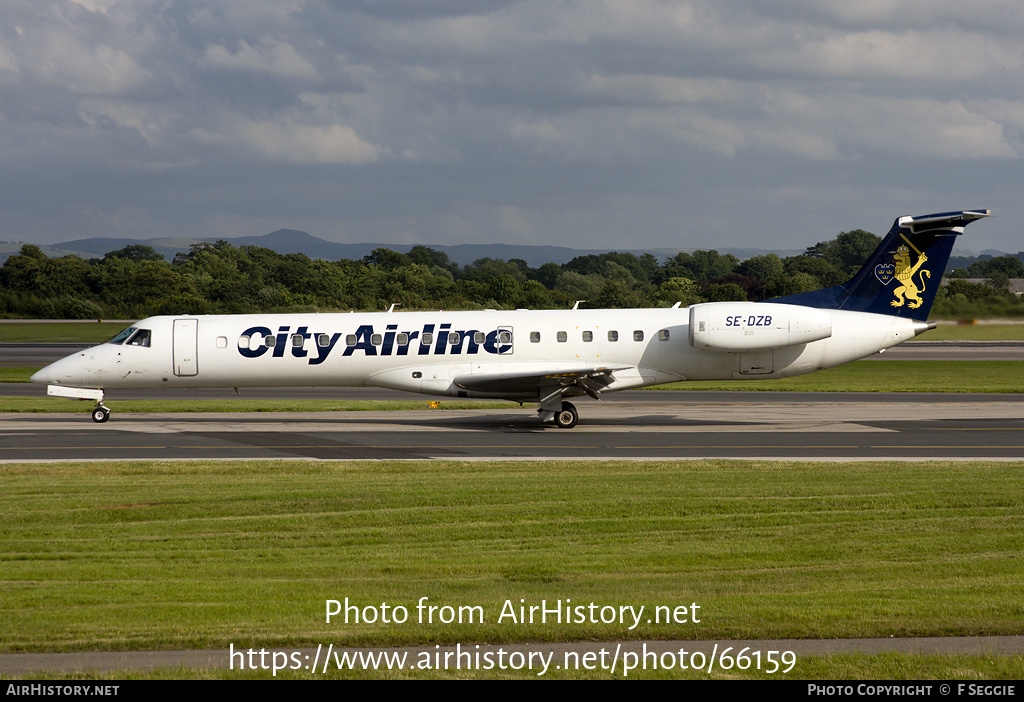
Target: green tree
x,y
427,256
387,259
1009,266
21,272
678,289
789,284
615,294
761,267
506,290
825,273
136,252
724,292
851,249
548,274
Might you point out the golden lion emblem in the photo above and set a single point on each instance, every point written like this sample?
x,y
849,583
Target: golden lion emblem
x,y
908,293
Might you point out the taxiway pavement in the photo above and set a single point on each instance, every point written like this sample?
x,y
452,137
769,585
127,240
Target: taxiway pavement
x,y
633,425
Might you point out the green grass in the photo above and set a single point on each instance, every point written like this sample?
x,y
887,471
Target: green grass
x,y
17,374
136,556
59,332
888,376
1011,331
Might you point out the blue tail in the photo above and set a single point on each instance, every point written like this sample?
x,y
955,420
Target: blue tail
x,y
902,276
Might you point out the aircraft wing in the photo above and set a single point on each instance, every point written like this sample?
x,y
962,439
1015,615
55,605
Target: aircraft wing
x,y
591,380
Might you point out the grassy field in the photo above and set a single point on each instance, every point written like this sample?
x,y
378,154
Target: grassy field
x,y
144,556
888,376
59,332
138,556
982,331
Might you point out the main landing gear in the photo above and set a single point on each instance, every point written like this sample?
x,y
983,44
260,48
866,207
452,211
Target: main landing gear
x,y
100,413
566,417
563,414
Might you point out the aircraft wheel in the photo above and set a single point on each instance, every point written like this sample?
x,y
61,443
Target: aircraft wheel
x,y
567,417
100,415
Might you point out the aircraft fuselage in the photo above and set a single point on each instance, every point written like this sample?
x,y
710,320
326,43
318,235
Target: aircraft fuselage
x,y
426,352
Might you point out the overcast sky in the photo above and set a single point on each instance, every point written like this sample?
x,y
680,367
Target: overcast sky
x,y
584,123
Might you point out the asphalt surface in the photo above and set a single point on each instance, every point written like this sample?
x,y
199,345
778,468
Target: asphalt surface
x,y
632,424
635,425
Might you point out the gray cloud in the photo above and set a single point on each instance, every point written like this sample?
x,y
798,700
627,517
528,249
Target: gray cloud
x,y
594,123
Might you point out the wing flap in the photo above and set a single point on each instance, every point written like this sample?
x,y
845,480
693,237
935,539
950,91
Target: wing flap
x,y
590,380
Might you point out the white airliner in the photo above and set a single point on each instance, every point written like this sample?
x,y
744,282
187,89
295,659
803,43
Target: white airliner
x,y
537,356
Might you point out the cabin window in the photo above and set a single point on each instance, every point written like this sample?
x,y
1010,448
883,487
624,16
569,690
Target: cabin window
x,y
535,337
323,340
350,340
427,339
454,339
222,342
588,336
561,336
638,335
269,341
479,338
403,339
663,335
504,337
613,336
243,342
376,339
298,341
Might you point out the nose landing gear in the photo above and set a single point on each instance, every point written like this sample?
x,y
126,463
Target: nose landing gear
x,y
100,413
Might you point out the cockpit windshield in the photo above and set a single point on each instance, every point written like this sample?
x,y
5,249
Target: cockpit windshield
x,y
133,336
120,338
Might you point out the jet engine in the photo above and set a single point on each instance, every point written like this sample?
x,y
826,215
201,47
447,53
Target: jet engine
x,y
729,327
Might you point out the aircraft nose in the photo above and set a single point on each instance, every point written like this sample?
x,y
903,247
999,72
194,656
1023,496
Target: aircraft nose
x,y
72,370
42,376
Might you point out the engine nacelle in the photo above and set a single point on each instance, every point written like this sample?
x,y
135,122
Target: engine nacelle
x,y
750,326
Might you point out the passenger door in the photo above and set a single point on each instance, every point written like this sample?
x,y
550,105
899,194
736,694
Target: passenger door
x,y
186,361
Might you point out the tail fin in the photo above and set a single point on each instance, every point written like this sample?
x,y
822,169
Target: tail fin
x,y
902,276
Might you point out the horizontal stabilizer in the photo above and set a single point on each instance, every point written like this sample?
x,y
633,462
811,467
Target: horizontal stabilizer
x,y
944,220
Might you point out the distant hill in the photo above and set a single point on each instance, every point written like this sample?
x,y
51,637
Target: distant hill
x,y
287,241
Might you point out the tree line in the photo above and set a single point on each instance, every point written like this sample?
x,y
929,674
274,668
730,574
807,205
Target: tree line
x,y
212,278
